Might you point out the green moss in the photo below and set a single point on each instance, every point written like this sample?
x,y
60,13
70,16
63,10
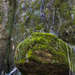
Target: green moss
x,y
43,48
20,61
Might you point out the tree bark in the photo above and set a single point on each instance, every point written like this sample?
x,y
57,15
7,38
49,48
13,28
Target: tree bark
x,y
11,20
3,47
5,37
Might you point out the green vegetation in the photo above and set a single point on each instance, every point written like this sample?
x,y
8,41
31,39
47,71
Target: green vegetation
x,y
42,48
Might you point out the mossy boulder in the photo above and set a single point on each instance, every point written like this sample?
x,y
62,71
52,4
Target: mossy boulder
x,y
42,48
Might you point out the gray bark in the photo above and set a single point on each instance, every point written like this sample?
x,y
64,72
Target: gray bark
x,y
5,37
5,12
3,48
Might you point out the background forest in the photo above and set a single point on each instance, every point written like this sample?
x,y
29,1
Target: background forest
x,y
39,31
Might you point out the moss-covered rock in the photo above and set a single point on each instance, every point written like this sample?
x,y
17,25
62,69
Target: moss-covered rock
x,y
42,48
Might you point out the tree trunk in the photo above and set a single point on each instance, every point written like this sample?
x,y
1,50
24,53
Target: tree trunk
x,y
3,47
5,37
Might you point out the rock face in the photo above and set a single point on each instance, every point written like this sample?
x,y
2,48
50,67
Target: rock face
x,y
43,53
